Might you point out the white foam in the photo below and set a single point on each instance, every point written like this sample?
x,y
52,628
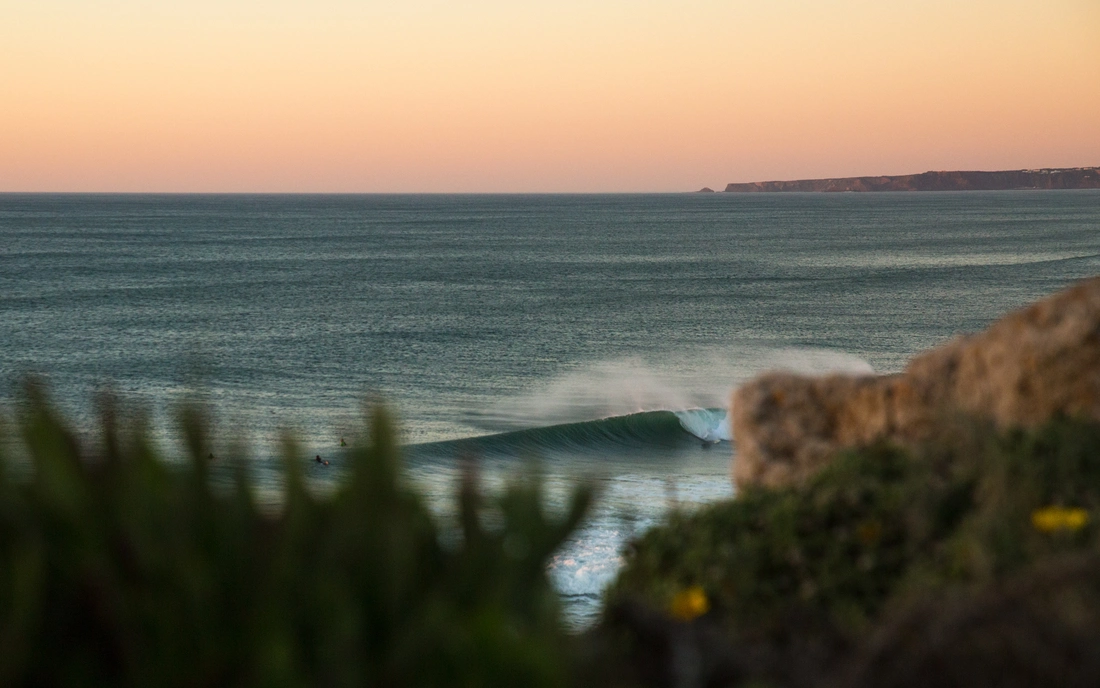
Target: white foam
x,y
628,506
709,425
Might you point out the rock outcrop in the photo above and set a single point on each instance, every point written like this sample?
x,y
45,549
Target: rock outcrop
x,y
1060,178
1033,364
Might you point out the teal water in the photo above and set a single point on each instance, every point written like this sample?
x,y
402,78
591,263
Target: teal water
x,y
602,334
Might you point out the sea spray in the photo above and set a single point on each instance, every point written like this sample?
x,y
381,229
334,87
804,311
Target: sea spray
x,y
680,380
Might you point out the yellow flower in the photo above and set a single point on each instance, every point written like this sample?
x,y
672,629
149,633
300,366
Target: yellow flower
x,y
688,604
1054,518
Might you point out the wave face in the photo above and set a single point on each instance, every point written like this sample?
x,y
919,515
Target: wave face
x,y
634,435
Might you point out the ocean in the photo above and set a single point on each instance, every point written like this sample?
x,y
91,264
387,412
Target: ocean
x,y
584,336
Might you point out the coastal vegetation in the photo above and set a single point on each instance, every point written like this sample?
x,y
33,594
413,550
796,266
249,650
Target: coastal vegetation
x,y
972,559
118,568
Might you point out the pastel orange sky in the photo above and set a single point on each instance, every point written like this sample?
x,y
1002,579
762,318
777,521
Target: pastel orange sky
x,y
495,96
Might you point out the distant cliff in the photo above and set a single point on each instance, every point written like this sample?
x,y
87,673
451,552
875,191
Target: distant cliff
x,y
1070,178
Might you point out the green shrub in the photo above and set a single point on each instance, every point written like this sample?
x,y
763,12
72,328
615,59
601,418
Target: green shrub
x,y
874,523
117,568
1019,474
876,571
840,544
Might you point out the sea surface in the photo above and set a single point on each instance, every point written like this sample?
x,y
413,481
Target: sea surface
x,y
592,335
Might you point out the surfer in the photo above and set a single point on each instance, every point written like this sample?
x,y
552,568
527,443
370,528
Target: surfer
x,y
319,460
343,443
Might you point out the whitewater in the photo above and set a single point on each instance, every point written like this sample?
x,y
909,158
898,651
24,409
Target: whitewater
x,y
593,337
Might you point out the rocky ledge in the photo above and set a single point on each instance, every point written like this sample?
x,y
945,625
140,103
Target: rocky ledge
x,y
1032,365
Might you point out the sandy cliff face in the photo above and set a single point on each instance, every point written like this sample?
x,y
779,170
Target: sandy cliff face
x,y
1027,367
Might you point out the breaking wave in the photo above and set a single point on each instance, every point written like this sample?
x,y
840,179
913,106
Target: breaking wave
x,y
644,431
630,406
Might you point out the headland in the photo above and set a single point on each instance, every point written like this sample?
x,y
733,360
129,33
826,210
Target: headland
x,y
1047,178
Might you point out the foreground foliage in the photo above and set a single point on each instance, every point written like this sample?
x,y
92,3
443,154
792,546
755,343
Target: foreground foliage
x,y
971,560
119,569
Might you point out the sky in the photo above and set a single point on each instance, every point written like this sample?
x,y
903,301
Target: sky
x,y
536,96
